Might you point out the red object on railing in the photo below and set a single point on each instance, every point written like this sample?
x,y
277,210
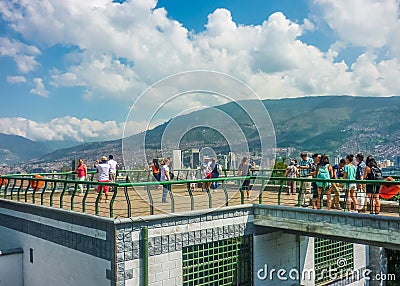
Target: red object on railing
x,y
37,184
388,192
3,181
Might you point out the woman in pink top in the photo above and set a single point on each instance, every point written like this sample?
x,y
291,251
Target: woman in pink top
x,y
82,173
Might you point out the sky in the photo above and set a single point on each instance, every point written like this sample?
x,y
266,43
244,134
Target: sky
x,y
71,70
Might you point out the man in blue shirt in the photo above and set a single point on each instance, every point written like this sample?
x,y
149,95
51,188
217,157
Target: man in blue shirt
x,y
360,176
305,165
338,171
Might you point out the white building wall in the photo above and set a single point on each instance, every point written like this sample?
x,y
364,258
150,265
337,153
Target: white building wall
x,y
54,264
275,259
11,269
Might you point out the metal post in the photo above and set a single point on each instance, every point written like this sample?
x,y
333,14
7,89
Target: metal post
x,y
144,247
279,193
73,197
43,193
128,201
52,193
191,197
112,201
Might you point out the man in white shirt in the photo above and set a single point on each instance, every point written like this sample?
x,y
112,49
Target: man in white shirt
x,y
103,170
113,168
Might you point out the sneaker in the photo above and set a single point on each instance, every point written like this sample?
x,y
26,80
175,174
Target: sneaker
x,y
305,205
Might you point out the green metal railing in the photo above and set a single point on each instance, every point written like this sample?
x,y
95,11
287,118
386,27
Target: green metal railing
x,y
128,199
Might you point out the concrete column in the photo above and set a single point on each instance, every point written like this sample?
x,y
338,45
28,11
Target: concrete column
x,y
377,265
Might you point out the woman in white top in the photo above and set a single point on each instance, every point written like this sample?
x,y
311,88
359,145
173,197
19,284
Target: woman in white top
x,y
165,177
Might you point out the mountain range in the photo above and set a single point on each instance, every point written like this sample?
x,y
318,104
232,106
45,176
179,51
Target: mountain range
x,y
329,124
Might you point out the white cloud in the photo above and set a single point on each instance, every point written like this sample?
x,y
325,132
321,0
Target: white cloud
x,y
24,55
123,48
39,88
139,45
67,128
362,22
16,79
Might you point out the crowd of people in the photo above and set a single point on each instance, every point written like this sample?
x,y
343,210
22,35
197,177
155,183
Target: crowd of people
x,y
349,168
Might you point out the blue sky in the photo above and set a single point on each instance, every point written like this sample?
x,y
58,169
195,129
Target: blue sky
x,y
70,70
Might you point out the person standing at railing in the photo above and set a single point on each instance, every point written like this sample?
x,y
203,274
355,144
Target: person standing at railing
x,y
338,172
360,176
82,173
155,169
313,173
372,172
305,165
216,170
113,168
103,174
350,174
192,177
165,177
324,171
244,170
292,172
206,172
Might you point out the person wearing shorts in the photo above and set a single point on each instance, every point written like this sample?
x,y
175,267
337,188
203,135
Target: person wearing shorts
x,y
313,173
244,170
103,173
372,190
305,166
351,188
113,168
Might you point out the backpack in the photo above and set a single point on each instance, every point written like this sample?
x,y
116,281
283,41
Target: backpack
x,y
376,173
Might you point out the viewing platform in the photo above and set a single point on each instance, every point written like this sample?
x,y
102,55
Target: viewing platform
x,y
135,239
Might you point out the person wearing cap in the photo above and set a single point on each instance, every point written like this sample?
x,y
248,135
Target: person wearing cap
x,y
103,174
305,166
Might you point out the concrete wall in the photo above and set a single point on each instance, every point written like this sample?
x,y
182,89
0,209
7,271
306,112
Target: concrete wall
x,y
280,258
11,267
59,247
273,252
168,235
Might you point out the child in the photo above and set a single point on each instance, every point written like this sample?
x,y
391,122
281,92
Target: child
x,y
292,172
192,185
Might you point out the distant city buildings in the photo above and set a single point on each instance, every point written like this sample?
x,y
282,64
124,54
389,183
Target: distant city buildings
x,y
195,159
176,159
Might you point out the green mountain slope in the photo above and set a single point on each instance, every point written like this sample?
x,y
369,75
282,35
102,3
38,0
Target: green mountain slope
x,y
329,124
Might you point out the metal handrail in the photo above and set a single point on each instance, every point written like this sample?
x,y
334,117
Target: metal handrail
x,y
262,181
